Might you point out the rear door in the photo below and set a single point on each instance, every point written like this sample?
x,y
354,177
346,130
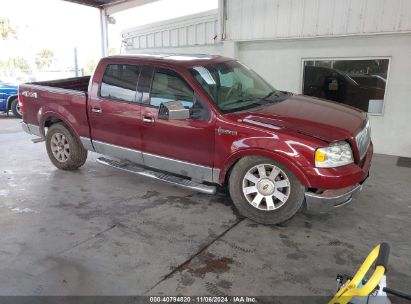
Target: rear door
x,y
115,113
183,147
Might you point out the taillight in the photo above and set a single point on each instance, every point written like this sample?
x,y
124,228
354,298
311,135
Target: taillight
x,y
20,99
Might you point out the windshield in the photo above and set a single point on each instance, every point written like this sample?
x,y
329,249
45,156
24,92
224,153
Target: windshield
x,y
233,87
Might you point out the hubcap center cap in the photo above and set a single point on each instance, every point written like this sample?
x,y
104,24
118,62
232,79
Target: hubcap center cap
x,y
265,187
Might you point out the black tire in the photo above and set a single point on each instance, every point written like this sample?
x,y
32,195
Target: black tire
x,y
245,208
74,156
15,108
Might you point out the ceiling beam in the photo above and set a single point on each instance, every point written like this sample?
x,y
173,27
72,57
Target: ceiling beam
x,y
91,3
124,5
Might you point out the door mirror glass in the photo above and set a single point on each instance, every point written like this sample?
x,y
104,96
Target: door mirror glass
x,y
173,110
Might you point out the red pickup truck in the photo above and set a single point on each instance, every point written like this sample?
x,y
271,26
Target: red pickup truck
x,y
203,121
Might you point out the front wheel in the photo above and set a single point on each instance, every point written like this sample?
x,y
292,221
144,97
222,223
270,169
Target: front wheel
x,y
15,108
264,190
63,149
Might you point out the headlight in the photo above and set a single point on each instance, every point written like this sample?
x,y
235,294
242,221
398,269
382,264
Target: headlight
x,y
336,155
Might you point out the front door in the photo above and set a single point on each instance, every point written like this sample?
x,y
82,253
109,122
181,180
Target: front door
x,y
115,114
184,147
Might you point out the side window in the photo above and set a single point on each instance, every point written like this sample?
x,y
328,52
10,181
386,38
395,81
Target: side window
x,y
120,82
169,86
144,84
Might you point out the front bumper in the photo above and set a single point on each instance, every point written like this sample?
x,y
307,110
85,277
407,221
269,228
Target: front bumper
x,y
31,129
330,199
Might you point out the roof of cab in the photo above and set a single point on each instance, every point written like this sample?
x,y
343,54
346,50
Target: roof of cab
x,y
185,60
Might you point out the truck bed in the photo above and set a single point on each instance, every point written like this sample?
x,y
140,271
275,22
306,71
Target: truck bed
x,y
62,99
75,84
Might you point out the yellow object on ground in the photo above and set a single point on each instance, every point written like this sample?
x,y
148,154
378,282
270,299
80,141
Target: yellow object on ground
x,y
351,289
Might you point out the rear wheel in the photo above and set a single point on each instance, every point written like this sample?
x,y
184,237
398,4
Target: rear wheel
x,y
15,108
264,190
63,149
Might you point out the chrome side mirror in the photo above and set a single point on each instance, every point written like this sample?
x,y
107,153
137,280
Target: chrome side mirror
x,y
173,110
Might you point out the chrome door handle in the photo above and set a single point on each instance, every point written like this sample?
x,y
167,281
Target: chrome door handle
x,y
96,110
148,119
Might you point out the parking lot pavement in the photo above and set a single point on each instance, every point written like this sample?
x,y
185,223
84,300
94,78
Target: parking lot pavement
x,y
99,231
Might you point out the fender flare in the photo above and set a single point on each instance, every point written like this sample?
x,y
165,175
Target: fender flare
x,y
233,158
45,116
10,100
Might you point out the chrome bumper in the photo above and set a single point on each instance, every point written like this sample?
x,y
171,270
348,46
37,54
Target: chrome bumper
x,y
330,199
31,129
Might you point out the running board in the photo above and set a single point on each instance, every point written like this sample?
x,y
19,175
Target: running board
x,y
37,140
165,177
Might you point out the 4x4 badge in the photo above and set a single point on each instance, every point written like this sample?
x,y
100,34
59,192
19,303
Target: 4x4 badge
x,y
224,131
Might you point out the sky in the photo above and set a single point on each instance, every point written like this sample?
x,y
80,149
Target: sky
x,y
62,26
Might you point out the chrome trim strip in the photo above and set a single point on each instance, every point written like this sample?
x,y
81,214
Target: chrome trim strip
x,y
194,171
261,124
197,172
31,129
216,175
25,127
87,144
118,151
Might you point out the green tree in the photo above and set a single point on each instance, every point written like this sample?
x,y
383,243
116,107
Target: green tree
x,y
13,64
44,59
19,63
6,30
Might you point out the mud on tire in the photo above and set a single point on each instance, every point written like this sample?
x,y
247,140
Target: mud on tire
x,y
63,148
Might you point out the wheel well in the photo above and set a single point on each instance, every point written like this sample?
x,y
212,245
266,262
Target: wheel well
x,y
291,168
228,173
10,101
51,121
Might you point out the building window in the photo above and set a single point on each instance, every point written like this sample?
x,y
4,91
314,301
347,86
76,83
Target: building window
x,y
359,83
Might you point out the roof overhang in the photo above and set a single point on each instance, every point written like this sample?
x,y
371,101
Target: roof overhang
x,y
112,6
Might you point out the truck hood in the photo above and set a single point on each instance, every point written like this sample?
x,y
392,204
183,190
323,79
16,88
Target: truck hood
x,y
325,120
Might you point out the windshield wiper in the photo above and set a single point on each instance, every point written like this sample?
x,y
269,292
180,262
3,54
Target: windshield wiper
x,y
238,100
274,93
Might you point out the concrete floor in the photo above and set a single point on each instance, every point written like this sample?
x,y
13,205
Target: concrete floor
x,y
99,231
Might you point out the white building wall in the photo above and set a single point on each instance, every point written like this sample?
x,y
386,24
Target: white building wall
x,y
278,19
198,29
280,63
274,36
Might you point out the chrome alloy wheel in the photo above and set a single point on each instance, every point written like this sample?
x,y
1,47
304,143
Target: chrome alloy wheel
x,y
60,147
266,187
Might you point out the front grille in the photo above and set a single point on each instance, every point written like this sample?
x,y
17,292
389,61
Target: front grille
x,y
363,140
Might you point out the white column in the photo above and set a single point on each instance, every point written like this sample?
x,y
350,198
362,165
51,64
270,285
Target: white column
x,y
104,32
222,14
230,49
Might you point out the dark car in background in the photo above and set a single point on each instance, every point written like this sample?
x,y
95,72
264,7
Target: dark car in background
x,y
8,99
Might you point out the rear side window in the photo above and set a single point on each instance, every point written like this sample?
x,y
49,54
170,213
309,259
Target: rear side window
x,y
120,82
169,86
